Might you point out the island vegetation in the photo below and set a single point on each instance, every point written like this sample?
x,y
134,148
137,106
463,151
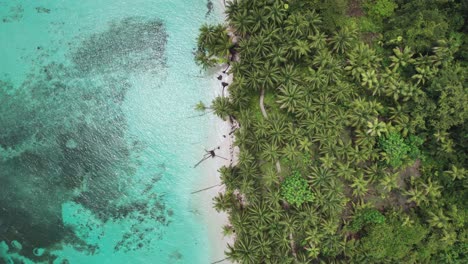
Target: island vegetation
x,y
352,132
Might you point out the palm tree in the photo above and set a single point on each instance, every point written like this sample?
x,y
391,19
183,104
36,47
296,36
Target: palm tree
x,y
277,132
370,81
360,59
300,48
254,80
242,251
208,35
389,182
223,202
296,25
417,196
260,214
359,185
306,109
291,152
222,107
345,171
264,246
270,152
261,127
362,111
402,58
289,75
277,55
314,20
457,173
342,40
290,96
319,40
271,178
201,107
376,128
438,220
305,145
276,12
241,22
259,19
328,161
269,76
320,177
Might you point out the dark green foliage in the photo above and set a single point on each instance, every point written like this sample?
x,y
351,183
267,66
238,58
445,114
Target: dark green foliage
x,y
391,241
214,45
414,143
295,190
334,119
366,217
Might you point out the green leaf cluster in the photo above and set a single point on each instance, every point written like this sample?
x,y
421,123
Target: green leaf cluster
x,y
398,150
391,241
295,190
366,217
314,92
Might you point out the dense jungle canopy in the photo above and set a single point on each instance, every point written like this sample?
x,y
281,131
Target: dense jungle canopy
x,y
352,129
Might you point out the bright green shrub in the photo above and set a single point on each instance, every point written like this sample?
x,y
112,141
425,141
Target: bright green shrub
x,y
395,149
295,190
379,9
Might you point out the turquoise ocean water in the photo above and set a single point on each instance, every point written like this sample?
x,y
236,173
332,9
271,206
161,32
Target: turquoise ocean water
x,y
96,141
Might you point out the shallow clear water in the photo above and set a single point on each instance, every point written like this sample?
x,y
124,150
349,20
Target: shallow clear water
x,y
96,141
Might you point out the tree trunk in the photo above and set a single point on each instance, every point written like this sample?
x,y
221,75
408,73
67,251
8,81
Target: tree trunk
x,y
293,245
278,166
262,107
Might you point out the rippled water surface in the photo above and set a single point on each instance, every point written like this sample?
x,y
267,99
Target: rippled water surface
x,y
96,143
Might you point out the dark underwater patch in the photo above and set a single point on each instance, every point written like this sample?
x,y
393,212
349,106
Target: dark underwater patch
x,y
14,14
63,137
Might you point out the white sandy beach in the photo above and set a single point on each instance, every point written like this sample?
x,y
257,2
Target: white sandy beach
x,y
218,137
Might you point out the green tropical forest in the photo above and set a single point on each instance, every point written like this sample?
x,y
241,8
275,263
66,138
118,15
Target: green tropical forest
x,y
351,129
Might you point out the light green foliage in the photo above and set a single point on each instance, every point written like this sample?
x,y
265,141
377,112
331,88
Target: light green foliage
x,y
366,217
398,150
379,9
295,190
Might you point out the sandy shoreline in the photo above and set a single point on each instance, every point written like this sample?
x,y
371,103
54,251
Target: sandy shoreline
x,y
218,137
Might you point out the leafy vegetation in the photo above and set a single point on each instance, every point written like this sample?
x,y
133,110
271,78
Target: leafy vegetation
x,y
352,132
366,217
295,190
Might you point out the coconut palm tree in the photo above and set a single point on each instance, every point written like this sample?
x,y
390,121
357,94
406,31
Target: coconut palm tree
x,y
296,26
401,58
276,12
376,128
300,48
277,55
319,40
320,177
222,107
269,76
343,39
359,185
223,202
241,22
242,251
270,152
